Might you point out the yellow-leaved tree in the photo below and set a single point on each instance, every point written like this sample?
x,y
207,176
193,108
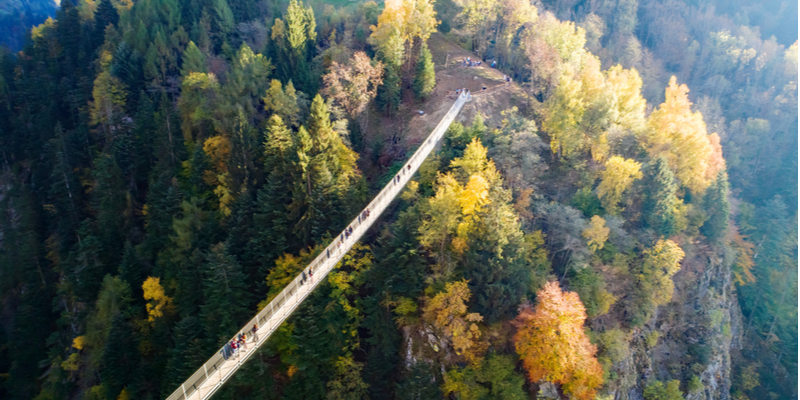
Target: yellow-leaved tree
x,y
552,345
158,303
218,150
399,25
447,313
617,177
597,233
660,263
680,136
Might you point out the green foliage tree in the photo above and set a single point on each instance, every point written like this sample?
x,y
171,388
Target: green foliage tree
x,y
494,378
425,76
659,205
717,209
347,383
656,390
225,296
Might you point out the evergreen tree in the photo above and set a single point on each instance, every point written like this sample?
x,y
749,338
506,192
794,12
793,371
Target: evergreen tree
x,y
87,268
271,220
105,14
187,355
131,269
388,97
425,77
64,192
119,356
193,60
226,296
659,205
111,205
717,209
68,33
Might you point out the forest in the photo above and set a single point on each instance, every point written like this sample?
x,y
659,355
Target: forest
x,y
613,216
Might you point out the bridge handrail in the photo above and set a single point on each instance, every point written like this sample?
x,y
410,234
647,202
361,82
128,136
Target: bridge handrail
x,y
335,250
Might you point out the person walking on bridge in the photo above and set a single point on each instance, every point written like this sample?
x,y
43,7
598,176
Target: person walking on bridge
x,y
255,333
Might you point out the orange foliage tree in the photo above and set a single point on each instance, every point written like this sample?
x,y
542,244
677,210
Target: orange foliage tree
x,y
552,345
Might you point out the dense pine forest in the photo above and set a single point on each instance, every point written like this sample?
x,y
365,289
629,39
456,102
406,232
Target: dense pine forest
x,y
613,215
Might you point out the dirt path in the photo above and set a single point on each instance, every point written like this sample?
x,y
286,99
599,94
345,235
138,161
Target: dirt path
x,y
498,96
389,139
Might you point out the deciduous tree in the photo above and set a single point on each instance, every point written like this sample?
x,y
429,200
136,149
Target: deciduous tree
x,y
553,346
616,179
680,136
447,313
355,85
597,233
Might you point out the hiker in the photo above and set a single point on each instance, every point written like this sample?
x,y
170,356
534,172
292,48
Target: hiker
x,y
329,252
255,332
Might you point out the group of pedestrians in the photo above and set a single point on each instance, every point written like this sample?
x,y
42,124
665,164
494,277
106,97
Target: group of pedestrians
x,y
469,62
304,277
363,216
238,345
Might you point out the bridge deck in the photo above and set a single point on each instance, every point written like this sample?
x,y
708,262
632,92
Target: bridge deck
x,y
217,370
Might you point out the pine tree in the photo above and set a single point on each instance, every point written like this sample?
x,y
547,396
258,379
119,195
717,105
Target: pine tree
x,y
717,208
64,192
130,268
425,77
106,14
226,296
120,357
87,268
144,125
186,356
388,98
193,60
271,219
68,32
659,205
111,205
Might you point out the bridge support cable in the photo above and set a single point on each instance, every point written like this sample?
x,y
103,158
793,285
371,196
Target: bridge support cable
x,y
217,370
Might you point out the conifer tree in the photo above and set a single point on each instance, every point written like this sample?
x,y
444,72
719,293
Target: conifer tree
x,y
717,209
144,125
120,357
111,205
425,77
226,296
659,206
388,97
130,268
186,355
271,218
106,14
87,265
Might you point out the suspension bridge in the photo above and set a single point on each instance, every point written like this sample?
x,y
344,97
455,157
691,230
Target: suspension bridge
x,y
220,368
